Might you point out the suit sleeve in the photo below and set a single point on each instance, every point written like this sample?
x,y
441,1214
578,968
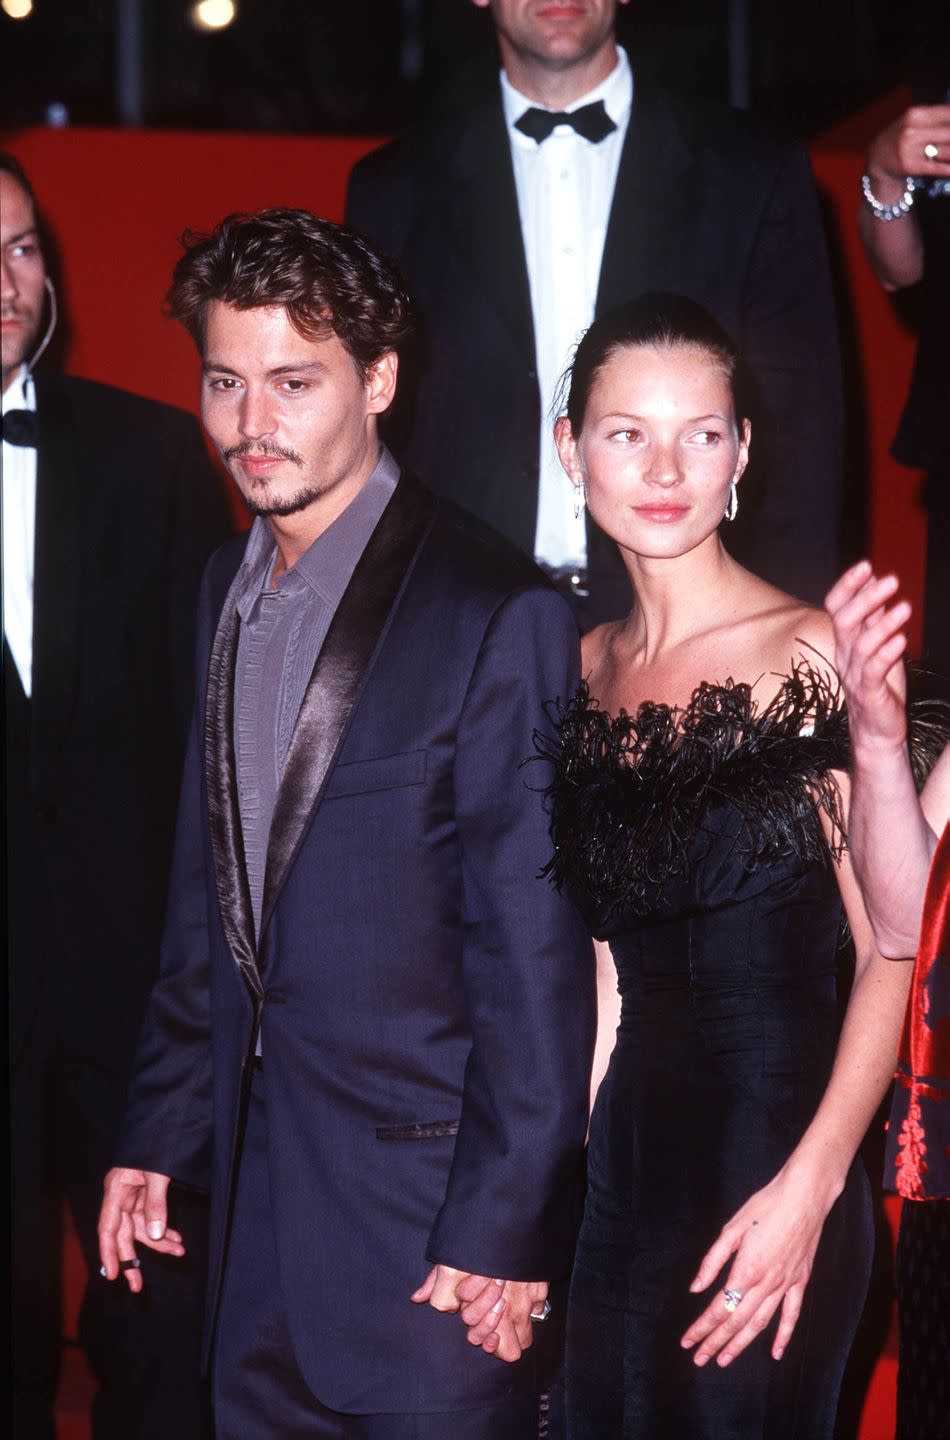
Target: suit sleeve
x,y
511,1202
168,1119
789,340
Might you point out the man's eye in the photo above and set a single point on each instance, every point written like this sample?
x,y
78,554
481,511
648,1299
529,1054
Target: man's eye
x,y
26,250
295,386
222,382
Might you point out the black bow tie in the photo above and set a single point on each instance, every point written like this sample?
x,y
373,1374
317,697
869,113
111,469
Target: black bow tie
x,y
590,121
19,427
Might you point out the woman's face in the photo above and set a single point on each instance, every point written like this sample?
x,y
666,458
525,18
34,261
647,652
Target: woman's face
x,y
659,448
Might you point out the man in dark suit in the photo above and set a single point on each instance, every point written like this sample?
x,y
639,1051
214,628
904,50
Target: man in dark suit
x,y
110,508
515,223
372,1033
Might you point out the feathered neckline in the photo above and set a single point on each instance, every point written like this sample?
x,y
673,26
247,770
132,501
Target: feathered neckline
x,y
630,792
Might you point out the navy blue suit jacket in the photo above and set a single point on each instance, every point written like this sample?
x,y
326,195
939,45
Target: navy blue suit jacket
x,y
425,1001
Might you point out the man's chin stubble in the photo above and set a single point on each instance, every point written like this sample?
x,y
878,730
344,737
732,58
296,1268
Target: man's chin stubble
x,y
282,508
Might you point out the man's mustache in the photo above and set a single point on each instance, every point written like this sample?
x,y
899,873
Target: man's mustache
x,y
261,447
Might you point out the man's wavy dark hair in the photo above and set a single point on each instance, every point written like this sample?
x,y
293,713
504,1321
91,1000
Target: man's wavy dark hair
x,y
328,278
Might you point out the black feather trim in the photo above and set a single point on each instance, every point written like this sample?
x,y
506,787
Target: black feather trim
x,y
630,792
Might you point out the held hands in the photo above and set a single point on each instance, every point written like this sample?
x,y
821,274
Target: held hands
x,y
773,1238
497,1313
134,1212
870,639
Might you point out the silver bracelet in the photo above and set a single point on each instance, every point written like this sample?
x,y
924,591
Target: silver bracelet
x,y
878,209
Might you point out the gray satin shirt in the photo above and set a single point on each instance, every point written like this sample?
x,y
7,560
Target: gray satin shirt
x,y
283,627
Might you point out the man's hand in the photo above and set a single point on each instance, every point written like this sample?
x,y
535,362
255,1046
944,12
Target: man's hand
x,y
496,1313
134,1211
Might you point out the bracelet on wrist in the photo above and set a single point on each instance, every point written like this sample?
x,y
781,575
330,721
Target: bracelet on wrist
x,y
878,209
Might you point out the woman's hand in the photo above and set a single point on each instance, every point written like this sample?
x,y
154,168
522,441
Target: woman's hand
x,y
899,150
773,1238
870,625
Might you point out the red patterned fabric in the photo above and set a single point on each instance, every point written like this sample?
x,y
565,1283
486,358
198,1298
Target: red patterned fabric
x,y
918,1143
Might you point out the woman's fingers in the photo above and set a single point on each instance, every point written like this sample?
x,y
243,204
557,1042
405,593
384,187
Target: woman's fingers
x,y
791,1309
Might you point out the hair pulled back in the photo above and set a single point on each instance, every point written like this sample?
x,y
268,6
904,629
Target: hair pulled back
x,y
657,319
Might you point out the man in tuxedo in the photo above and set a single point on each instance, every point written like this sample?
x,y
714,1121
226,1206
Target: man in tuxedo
x,y
566,189
372,1033
110,508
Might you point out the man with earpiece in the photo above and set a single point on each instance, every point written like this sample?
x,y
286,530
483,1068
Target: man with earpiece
x,y
110,508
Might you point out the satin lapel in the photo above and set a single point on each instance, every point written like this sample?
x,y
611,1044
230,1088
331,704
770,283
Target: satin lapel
x,y
227,843
340,674
57,577
653,203
483,208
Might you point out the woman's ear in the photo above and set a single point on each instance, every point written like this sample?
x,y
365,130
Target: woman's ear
x,y
745,437
567,449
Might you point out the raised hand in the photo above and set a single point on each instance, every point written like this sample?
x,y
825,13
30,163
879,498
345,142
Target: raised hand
x,y
870,641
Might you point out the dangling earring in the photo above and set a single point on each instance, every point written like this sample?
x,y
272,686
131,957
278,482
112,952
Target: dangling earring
x,y
580,500
732,504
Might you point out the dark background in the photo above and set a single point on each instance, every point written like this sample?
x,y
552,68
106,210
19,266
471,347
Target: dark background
x,y
367,66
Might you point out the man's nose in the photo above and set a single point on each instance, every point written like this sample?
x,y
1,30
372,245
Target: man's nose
x,y
9,289
257,416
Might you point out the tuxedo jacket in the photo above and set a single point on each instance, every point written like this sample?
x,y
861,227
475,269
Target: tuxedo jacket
x,y
128,508
424,1000
707,204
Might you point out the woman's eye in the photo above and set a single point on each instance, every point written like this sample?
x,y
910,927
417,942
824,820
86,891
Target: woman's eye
x,y
625,437
706,437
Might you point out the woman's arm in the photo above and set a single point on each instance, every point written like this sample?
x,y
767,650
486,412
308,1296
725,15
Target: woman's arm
x,y
608,1016
894,247
774,1236
892,835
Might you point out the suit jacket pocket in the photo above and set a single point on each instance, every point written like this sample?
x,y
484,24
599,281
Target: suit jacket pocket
x,y
389,772
422,1130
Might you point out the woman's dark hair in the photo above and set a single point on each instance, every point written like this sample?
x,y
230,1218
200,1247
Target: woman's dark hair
x,y
326,276
658,319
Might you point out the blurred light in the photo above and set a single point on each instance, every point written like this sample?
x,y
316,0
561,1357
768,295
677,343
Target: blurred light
x,y
17,9
213,14
57,115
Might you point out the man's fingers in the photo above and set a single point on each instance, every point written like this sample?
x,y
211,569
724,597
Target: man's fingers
x,y
155,1206
128,1260
472,1286
508,1347
479,1332
424,1291
171,1242
487,1298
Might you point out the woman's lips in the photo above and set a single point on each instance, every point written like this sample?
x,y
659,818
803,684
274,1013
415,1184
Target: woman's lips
x,y
663,514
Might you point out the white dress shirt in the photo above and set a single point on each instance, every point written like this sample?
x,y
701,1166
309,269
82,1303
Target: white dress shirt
x,y
19,532
565,189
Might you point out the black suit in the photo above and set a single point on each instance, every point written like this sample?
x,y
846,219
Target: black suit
x,y
127,508
706,203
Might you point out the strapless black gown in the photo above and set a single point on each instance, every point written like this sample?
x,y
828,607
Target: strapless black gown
x,y
694,843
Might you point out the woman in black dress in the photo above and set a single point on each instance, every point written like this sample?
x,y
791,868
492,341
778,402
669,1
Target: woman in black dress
x,y
698,812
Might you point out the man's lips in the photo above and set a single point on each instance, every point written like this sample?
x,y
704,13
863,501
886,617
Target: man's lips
x,y
260,464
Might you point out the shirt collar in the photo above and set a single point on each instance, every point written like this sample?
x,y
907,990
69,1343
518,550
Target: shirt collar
x,y
20,393
616,91
327,566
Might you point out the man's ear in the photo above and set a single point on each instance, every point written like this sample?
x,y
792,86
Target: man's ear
x,y
381,383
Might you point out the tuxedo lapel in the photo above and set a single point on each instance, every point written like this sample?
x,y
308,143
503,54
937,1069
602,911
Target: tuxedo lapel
x,y
224,817
653,202
340,673
57,576
483,210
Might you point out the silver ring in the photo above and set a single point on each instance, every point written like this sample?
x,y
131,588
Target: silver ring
x,y
932,151
731,1299
545,1312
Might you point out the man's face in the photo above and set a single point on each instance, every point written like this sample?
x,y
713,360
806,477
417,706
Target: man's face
x,y
556,33
292,418
22,277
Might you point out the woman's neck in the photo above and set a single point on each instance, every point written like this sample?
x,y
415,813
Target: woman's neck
x,y
678,599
